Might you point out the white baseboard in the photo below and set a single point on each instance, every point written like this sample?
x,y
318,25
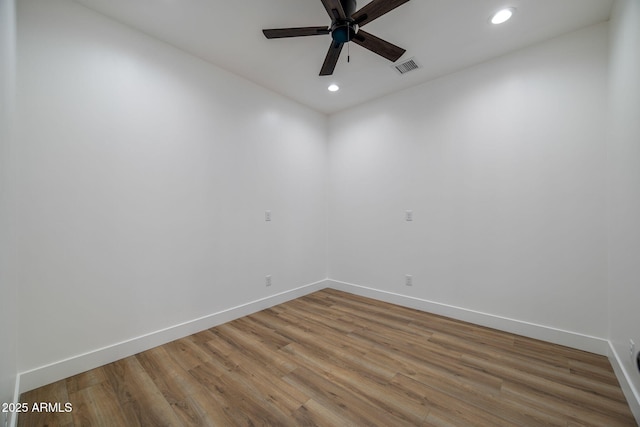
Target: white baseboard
x,y
56,371
531,330
624,378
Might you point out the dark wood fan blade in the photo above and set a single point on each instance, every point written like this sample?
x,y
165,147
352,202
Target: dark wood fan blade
x,y
332,59
379,46
334,9
375,10
278,33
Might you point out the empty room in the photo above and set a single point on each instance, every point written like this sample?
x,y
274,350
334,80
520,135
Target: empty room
x,y
320,212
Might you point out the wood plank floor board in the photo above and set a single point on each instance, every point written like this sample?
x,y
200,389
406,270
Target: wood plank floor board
x,y
336,359
497,404
242,395
187,353
56,392
330,345
521,363
97,405
244,346
554,389
214,403
174,383
353,409
86,379
321,353
562,409
312,309
434,360
270,382
314,414
461,410
598,373
343,352
267,337
139,398
379,392
210,411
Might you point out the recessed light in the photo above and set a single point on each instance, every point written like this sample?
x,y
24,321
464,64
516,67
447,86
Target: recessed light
x,y
502,16
333,88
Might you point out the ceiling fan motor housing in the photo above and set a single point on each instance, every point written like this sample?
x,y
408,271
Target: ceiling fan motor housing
x,y
343,31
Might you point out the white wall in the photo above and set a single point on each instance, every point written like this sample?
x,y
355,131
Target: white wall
x,y
145,176
8,273
624,188
503,166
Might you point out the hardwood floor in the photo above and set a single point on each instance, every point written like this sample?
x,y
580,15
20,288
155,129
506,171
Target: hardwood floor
x,y
336,359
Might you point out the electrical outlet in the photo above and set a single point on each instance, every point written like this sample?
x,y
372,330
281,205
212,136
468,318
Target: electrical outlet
x,y
408,280
267,280
408,215
632,350
267,215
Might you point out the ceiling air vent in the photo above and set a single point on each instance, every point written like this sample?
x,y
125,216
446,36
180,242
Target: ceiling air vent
x,y
406,66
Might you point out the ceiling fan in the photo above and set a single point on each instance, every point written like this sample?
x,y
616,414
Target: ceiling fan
x,y
345,27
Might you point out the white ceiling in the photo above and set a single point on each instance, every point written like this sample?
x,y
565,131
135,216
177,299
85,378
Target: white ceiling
x,y
443,35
